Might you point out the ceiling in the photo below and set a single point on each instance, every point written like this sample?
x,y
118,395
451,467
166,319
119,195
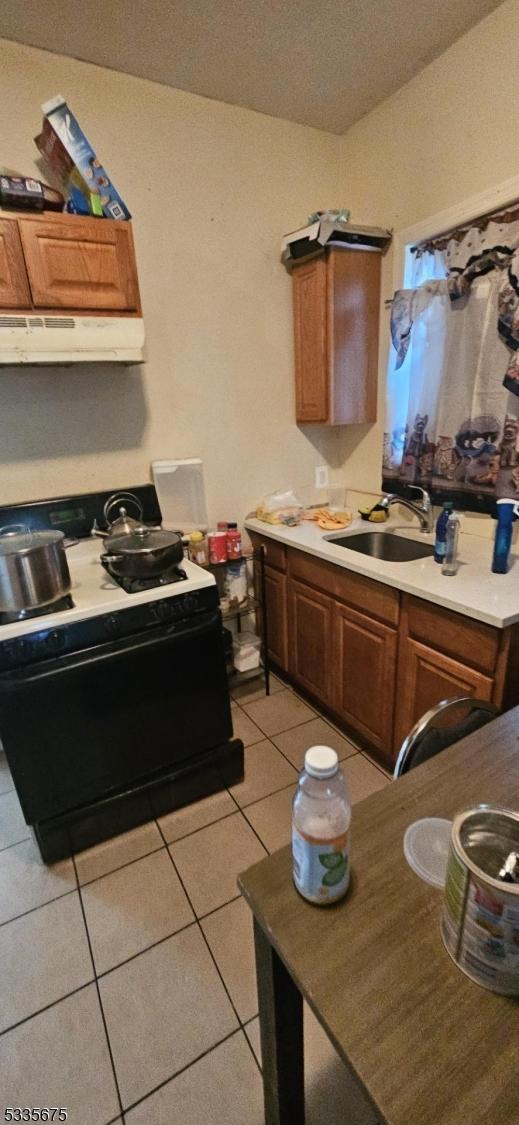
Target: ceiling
x,y
323,64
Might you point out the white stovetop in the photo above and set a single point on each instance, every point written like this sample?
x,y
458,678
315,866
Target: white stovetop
x,y
473,591
94,592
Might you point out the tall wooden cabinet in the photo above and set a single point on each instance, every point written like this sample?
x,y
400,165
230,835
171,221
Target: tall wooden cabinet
x,y
52,262
336,313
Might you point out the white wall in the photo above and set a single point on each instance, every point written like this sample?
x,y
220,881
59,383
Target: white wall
x,y
445,136
212,189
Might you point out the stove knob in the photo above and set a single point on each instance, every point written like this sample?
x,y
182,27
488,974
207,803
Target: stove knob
x,y
163,611
111,624
55,641
21,649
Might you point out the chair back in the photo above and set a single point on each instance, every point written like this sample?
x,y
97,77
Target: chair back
x,y
440,727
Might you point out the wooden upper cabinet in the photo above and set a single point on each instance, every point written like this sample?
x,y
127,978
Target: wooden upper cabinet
x,y
14,285
80,264
310,338
336,317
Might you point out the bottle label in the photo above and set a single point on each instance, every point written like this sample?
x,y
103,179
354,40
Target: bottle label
x,y
321,868
440,549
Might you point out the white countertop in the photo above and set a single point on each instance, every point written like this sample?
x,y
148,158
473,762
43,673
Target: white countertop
x,y
473,591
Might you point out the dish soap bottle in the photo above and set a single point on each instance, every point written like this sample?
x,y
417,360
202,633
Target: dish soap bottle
x,y
441,531
320,829
507,512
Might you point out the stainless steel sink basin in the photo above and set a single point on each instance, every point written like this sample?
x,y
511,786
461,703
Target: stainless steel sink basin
x,y
380,545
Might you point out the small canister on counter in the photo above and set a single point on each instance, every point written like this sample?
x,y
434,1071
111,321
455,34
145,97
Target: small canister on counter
x,y
480,922
198,549
217,541
233,542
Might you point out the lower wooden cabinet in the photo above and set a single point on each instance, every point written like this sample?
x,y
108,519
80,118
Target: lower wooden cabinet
x,y
425,677
310,639
364,659
277,627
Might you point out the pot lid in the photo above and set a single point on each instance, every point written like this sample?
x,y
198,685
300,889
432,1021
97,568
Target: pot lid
x,y
142,541
21,543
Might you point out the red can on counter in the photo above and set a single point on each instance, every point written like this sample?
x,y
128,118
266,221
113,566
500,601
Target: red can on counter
x,y
217,543
233,537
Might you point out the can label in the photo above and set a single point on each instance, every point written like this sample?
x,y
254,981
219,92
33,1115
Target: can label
x,y
321,867
480,928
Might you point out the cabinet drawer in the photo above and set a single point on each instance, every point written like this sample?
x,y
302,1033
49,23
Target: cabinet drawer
x,y
79,264
365,594
471,642
275,553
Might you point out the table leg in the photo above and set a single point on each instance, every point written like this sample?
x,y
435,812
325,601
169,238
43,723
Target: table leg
x,y
281,1027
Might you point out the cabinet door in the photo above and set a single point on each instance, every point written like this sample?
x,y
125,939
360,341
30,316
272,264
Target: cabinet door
x,y
425,677
354,310
365,653
310,340
276,593
309,655
14,287
80,264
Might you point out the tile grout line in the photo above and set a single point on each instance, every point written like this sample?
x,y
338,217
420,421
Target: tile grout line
x,y
47,1007
177,1073
98,990
251,1048
40,906
179,877
15,843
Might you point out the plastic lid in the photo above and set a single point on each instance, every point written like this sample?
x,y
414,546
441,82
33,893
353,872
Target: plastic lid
x,y
426,848
321,761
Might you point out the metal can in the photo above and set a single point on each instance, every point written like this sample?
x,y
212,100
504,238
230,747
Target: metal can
x,y
233,544
217,543
480,922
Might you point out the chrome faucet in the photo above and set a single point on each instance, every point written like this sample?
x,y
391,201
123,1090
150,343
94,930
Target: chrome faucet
x,y
424,510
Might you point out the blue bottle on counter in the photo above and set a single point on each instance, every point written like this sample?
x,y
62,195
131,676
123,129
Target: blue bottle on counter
x,y
507,512
441,531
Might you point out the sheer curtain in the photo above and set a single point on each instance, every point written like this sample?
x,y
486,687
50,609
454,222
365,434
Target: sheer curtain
x,y
452,422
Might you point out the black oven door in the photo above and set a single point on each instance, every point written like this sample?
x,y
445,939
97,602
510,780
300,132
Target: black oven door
x,y
80,727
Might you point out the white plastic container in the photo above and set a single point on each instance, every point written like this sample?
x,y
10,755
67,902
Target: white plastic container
x,y
181,494
321,820
246,647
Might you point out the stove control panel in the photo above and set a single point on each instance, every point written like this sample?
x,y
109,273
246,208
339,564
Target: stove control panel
x,y
109,628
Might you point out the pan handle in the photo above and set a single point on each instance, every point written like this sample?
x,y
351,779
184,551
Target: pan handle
x,y
105,559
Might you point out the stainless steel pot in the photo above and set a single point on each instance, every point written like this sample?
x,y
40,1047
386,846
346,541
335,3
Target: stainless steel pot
x,y
144,553
33,569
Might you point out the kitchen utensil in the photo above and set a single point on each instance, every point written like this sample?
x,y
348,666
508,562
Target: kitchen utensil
x,y
142,553
33,569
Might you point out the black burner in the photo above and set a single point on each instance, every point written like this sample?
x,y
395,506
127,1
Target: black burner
x,y
138,585
41,611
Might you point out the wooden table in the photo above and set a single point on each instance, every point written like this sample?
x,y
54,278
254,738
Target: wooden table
x,y
429,1046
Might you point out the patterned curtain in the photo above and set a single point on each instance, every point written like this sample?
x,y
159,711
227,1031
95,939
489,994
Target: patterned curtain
x,y
453,379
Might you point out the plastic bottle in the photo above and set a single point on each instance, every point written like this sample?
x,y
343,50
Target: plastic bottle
x,y
441,531
507,512
450,561
320,829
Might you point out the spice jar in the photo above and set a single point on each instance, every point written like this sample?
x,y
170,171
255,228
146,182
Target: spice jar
x,y
197,548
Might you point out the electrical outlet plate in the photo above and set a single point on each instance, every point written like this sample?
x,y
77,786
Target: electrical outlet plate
x,y
321,476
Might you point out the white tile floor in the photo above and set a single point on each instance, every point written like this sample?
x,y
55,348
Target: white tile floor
x,y
127,986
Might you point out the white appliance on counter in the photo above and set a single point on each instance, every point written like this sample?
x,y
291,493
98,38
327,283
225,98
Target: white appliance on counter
x,y
34,339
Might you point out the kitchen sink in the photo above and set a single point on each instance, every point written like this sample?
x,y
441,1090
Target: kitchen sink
x,y
381,545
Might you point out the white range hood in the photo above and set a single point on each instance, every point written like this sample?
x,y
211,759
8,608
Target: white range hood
x,y
34,339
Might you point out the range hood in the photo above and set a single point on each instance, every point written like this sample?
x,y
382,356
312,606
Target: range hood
x,y
36,339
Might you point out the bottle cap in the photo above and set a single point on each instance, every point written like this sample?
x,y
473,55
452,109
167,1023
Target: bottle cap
x,y
321,761
232,526
196,536
448,504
